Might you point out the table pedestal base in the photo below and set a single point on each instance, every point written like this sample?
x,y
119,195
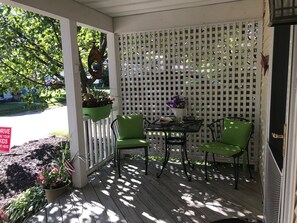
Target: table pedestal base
x,y
180,141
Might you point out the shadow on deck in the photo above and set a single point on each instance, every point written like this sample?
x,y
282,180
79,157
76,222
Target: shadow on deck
x,y
143,198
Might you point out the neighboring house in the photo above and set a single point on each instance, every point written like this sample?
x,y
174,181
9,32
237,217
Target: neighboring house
x,y
187,30
7,96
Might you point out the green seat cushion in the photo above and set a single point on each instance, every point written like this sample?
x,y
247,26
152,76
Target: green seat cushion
x,y
131,143
130,126
236,132
220,148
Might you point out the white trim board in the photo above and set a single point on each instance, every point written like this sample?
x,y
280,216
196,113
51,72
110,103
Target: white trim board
x,y
241,10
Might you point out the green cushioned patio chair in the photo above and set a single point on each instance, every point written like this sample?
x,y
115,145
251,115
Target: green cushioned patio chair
x,y
230,138
128,133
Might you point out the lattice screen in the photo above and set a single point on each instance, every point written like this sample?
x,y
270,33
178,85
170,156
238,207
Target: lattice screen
x,y
215,66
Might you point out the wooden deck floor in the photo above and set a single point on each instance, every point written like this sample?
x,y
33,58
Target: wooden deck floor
x,y
144,198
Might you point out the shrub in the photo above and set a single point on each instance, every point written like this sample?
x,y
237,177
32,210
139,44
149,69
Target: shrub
x,y
26,204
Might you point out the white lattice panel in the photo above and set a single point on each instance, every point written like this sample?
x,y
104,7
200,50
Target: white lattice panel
x,y
215,66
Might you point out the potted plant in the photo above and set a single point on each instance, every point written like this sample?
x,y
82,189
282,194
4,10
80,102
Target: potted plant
x,y
97,104
55,177
177,104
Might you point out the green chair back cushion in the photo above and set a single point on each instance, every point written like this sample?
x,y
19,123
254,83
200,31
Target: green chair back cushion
x,y
130,126
236,132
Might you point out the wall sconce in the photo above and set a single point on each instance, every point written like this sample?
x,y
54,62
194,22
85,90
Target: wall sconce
x,y
283,12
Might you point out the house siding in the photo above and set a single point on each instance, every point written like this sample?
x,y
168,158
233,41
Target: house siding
x,y
265,98
265,90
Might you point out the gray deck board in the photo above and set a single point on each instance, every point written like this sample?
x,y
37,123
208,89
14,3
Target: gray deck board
x,y
137,197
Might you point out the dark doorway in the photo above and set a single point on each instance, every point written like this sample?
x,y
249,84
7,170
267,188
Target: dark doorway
x,y
279,90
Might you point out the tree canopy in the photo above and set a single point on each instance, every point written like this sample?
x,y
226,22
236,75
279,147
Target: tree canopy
x,y
31,52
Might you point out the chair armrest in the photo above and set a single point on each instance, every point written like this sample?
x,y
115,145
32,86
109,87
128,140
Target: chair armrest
x,y
114,128
216,128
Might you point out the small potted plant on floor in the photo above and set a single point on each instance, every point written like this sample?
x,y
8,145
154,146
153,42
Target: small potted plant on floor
x,y
55,177
97,104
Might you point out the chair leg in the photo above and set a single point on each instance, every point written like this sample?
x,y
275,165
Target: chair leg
x,y
248,159
236,171
214,161
146,159
114,157
119,165
205,166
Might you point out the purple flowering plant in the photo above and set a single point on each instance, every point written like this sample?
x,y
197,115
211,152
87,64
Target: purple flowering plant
x,y
177,102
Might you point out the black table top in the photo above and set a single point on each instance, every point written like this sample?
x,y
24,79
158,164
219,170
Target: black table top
x,y
184,126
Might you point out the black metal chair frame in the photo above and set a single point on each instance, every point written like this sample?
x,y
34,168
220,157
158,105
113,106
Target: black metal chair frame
x,y
117,152
216,129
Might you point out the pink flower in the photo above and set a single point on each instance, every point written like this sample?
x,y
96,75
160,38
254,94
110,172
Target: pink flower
x,y
59,179
41,177
3,216
55,170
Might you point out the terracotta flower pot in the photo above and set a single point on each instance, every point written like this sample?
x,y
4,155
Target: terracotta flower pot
x,y
98,113
52,194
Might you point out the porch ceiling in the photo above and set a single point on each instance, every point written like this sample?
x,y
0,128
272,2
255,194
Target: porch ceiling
x,y
117,8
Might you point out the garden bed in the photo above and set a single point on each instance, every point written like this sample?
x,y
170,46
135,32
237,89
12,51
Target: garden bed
x,y
19,168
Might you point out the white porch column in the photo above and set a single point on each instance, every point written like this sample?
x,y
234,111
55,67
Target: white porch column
x,y
73,96
114,71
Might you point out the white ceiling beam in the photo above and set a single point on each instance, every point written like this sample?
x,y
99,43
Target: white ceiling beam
x,y
65,9
110,3
123,8
218,13
129,3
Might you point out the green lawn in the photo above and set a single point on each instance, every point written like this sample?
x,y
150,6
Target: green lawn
x,y
58,98
13,108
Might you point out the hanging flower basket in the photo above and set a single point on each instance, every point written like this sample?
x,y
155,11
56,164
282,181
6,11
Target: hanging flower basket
x,y
98,113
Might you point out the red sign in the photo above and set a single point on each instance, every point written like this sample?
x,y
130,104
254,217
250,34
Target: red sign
x,y
5,136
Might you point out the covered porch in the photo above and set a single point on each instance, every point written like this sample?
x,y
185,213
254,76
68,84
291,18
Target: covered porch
x,y
209,53
137,197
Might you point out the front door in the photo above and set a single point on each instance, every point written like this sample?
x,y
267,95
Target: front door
x,y
283,113
279,91
278,104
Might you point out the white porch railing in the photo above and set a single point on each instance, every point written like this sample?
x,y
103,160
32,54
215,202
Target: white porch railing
x,y
99,143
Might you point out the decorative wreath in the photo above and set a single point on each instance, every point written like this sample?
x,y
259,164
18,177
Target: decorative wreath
x,y
95,60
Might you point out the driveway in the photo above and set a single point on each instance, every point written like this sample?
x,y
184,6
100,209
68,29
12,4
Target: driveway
x,y
35,125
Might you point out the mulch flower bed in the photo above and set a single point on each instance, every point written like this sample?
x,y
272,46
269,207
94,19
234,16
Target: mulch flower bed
x,y
19,168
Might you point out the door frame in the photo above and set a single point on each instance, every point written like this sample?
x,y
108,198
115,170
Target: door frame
x,y
288,187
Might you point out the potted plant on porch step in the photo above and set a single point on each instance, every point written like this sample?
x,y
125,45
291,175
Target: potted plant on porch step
x,y
97,104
